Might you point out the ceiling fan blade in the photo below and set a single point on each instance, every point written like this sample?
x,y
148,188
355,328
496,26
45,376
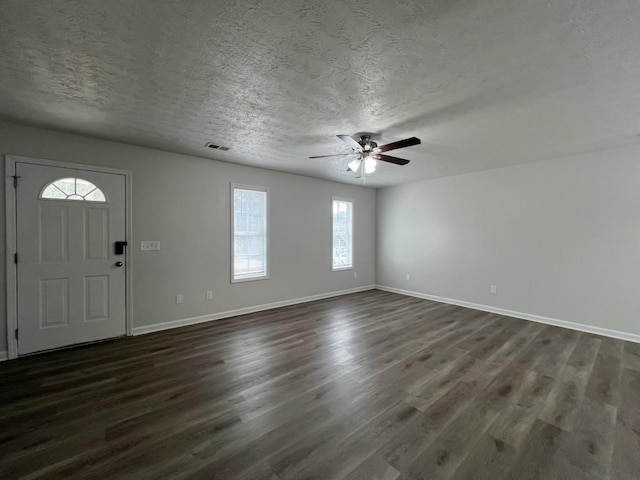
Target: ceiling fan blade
x,y
407,142
351,142
336,155
390,159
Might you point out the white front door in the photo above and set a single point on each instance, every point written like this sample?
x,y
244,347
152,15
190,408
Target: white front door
x,y
71,284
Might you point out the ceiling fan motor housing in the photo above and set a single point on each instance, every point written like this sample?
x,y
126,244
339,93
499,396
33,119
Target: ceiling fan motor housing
x,y
366,144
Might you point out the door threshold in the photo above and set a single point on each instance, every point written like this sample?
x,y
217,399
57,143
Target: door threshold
x,y
68,347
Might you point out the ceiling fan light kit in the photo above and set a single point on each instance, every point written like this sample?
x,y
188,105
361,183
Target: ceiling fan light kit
x,y
368,152
369,165
354,165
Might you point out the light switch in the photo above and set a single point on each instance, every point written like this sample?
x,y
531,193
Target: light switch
x,y
148,245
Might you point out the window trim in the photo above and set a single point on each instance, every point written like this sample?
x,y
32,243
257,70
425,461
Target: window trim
x,y
353,234
256,188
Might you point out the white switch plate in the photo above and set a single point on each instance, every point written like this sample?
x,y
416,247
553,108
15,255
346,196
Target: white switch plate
x,y
355,274
148,245
209,294
179,299
494,289
408,276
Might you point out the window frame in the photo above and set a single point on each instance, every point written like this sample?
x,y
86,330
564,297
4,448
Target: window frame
x,y
266,276
353,258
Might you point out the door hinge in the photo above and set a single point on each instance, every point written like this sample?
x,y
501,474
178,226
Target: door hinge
x,y
16,334
15,181
15,258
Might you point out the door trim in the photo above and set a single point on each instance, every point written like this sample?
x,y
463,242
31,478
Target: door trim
x,y
11,240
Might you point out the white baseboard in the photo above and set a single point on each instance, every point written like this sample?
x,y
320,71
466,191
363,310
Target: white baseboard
x,y
243,311
630,337
4,355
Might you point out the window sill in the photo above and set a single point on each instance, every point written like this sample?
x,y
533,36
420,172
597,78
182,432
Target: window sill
x,y
341,269
249,279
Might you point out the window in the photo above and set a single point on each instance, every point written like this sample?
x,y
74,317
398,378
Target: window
x,y
72,189
249,233
342,234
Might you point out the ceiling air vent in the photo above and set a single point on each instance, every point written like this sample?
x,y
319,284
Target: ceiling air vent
x,y
213,146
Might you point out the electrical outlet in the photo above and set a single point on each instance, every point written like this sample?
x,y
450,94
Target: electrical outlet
x,y
494,289
355,274
408,276
209,294
148,245
179,299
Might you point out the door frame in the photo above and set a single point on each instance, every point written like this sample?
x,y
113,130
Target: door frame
x,y
11,240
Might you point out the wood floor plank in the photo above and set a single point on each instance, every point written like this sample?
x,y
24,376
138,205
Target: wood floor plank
x,y
568,391
536,394
590,446
373,468
629,408
489,459
625,463
401,451
336,460
372,385
612,347
557,352
515,420
510,384
444,455
457,366
631,356
604,384
534,460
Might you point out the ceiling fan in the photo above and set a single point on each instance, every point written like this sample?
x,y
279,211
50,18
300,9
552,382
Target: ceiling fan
x,y
368,152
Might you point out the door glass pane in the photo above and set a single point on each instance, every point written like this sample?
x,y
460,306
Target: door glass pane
x,y
72,189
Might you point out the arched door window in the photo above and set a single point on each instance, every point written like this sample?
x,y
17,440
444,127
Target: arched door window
x,y
72,189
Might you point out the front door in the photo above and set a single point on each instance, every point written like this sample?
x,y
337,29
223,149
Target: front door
x,y
71,283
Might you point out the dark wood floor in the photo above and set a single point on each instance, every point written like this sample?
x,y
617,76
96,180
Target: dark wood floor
x,y
367,386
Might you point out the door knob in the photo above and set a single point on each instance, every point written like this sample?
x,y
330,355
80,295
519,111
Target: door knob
x,y
119,264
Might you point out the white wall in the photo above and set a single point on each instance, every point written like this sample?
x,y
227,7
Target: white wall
x,y
184,202
559,238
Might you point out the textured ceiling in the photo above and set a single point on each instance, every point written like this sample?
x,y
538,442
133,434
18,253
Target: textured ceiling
x,y
483,84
